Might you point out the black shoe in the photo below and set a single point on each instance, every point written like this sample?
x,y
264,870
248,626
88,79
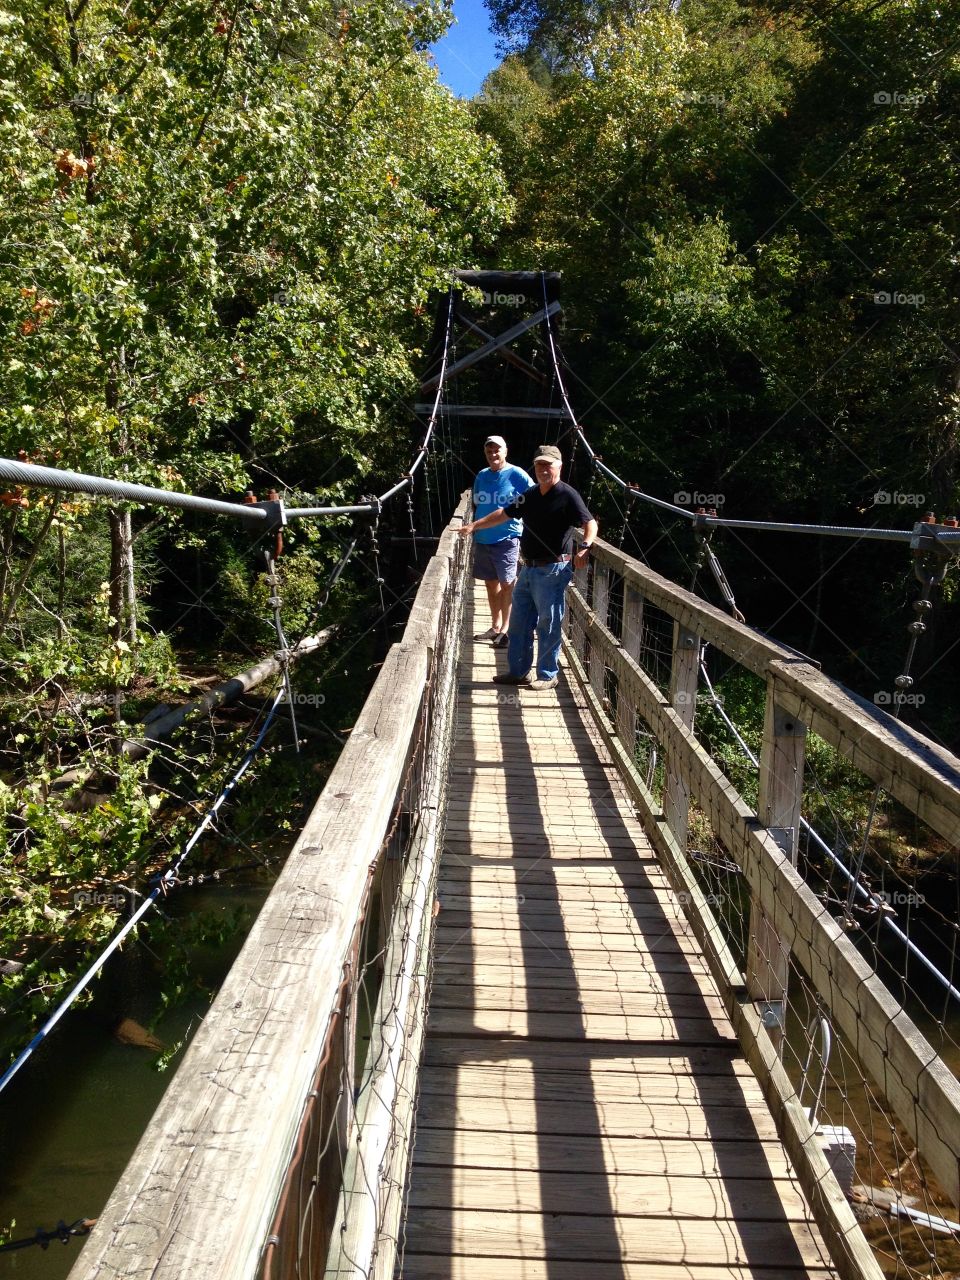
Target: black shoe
x,y
501,641
506,678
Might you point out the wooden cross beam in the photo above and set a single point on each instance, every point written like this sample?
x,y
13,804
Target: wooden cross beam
x,y
510,356
494,344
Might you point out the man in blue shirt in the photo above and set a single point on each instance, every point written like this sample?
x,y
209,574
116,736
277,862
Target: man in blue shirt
x,y
496,551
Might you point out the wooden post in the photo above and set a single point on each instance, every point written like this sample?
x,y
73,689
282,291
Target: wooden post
x,y
601,607
631,638
684,674
576,631
781,793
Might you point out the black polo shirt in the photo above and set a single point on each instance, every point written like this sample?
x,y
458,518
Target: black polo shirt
x,y
549,520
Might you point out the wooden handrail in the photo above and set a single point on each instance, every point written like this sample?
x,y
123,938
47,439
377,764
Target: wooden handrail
x,y
921,775
921,1090
198,1194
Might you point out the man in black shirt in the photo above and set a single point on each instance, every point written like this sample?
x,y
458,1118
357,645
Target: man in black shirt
x,y
551,512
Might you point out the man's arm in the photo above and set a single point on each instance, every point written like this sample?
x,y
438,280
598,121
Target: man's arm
x,y
495,517
589,531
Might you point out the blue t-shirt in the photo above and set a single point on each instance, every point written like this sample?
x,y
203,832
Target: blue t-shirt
x,y
495,489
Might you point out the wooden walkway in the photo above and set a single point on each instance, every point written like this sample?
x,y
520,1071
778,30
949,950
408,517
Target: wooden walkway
x,y
585,1112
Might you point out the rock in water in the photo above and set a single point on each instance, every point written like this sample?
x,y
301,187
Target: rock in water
x,y
129,1032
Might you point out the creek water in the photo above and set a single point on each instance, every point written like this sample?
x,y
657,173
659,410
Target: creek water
x,y
71,1118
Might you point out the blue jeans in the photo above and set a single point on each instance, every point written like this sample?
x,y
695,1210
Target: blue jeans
x,y
539,600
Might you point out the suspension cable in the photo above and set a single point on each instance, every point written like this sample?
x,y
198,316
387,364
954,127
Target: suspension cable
x,y
721,522
165,881
31,475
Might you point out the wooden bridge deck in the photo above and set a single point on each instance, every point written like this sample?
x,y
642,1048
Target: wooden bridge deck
x,y
585,1110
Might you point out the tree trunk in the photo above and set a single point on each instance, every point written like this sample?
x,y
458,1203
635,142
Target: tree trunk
x,y
129,581
18,587
116,606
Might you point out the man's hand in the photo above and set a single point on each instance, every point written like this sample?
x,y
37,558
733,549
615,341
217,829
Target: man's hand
x,y
466,529
581,557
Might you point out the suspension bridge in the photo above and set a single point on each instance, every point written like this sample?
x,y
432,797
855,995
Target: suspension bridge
x,y
547,988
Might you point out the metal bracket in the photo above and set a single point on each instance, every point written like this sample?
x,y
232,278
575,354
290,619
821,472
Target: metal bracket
x,y
771,1014
783,837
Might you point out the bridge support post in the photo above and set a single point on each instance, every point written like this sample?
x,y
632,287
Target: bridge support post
x,y
601,608
781,793
631,636
684,674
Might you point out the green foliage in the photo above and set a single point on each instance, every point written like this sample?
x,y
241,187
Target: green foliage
x,y
753,209
230,213
220,227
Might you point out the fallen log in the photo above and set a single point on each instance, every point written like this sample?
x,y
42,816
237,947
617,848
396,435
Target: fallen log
x,y
158,727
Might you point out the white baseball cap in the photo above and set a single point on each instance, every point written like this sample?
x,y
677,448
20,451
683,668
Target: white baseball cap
x,y
495,440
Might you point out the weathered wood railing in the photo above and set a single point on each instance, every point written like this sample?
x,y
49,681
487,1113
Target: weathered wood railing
x,y
240,1170
787,919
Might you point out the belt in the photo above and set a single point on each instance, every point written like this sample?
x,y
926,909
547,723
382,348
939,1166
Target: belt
x,y
538,564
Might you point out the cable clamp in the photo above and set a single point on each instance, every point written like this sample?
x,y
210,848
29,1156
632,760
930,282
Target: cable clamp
x,y
931,557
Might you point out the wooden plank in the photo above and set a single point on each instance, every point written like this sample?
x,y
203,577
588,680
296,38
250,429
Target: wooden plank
x,y
482,910
918,772
598,1057
655,1156
587,1025
684,676
747,646
602,1119
423,1266
576,1001
631,637
491,410
623,1195
461,887
921,774
476,773
570,914
693,979
563,846
631,877
664,956
591,1239
736,1087
665,939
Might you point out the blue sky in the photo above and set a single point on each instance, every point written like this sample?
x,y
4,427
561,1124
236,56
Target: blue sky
x,y
466,53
